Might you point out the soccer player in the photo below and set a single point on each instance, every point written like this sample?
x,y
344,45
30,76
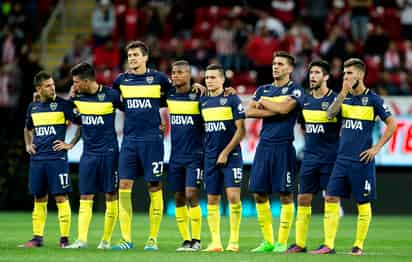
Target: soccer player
x,y
96,104
142,91
274,164
224,130
354,169
185,174
44,133
321,144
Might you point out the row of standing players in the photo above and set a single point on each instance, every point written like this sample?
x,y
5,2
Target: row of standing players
x,y
206,132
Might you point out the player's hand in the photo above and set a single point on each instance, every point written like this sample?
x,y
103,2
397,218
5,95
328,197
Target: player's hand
x,y
347,85
368,155
260,104
229,91
73,91
222,159
198,88
36,97
59,145
31,149
162,128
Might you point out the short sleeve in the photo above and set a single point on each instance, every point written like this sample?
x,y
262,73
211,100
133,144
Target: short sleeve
x,y
29,120
237,108
258,93
381,109
298,94
116,100
71,112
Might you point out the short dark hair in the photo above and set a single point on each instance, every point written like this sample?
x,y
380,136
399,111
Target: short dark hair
x,y
83,71
138,44
322,64
216,67
40,77
181,63
356,62
290,58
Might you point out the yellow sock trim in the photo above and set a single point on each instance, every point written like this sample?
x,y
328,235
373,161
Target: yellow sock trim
x,y
196,221
182,220
39,216
235,217
364,220
302,225
285,223
265,220
64,215
213,219
155,213
125,213
331,223
110,217
85,216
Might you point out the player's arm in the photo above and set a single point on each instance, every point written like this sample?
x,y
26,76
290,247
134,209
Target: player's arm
x,y
254,110
234,142
282,108
369,154
59,145
335,107
28,140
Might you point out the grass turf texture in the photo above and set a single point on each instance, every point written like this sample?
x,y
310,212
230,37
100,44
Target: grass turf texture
x,y
389,239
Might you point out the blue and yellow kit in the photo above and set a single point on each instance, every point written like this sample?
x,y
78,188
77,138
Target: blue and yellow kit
x,y
186,159
99,161
220,114
49,168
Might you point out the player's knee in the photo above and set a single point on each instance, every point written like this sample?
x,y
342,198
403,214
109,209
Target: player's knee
x,y
86,197
213,199
260,198
154,186
112,196
125,184
331,199
180,199
60,198
192,198
286,198
305,200
41,199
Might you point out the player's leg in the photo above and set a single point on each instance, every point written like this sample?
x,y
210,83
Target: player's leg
x,y
233,174
38,187
283,182
363,182
259,185
128,166
194,181
152,159
59,186
109,185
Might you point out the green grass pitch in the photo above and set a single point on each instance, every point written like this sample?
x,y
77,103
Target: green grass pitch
x,y
389,239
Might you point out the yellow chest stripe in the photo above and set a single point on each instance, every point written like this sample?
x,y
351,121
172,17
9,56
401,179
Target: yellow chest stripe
x,y
141,91
217,114
48,118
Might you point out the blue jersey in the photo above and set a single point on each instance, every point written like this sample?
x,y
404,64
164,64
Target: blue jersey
x,y
321,133
97,113
358,119
143,95
49,121
279,128
220,114
186,125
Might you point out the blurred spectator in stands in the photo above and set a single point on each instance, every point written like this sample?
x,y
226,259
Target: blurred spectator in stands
x,y
18,19
106,56
392,59
273,25
133,21
223,36
334,44
103,22
154,22
200,54
80,51
335,80
385,86
360,18
316,13
408,55
284,10
260,50
406,18
9,50
242,33
298,35
62,77
338,15
377,41
181,18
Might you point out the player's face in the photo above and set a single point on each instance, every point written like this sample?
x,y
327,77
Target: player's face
x,y
136,59
316,77
180,75
214,80
352,74
46,89
281,68
79,85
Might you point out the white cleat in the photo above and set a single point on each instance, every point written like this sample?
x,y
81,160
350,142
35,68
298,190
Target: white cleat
x,y
77,244
104,245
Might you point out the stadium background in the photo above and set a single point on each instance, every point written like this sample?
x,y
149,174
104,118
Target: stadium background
x,y
241,35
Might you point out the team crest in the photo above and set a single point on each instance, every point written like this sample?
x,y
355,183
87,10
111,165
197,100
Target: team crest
x,y
284,90
101,96
149,79
192,96
53,106
325,105
297,93
365,100
223,101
